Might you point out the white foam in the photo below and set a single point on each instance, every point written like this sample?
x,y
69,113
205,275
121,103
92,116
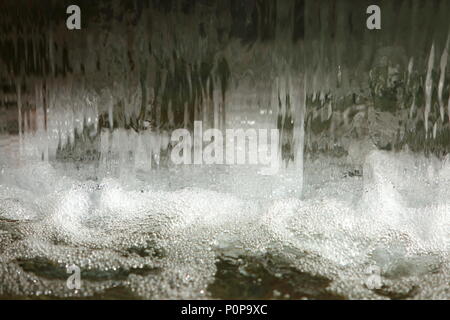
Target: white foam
x,y
341,228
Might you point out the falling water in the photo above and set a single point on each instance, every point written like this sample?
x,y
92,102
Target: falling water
x,y
86,119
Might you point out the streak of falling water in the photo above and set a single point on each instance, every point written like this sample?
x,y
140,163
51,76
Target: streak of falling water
x,y
115,91
443,65
429,88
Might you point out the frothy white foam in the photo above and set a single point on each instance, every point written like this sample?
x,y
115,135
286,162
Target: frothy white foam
x,y
159,236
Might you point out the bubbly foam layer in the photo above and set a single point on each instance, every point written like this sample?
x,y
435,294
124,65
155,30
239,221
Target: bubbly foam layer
x,y
175,233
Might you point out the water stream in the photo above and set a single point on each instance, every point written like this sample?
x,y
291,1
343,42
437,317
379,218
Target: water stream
x,y
354,204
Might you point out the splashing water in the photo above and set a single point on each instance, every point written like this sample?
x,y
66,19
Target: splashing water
x,y
357,207
180,234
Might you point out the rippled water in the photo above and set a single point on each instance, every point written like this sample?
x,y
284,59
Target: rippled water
x,y
227,232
